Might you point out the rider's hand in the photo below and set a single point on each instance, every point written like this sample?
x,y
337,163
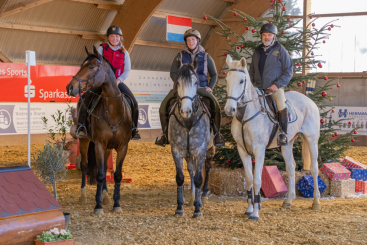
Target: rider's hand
x,y
273,88
118,81
208,89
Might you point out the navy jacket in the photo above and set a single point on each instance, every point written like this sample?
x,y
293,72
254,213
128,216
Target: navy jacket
x,y
278,68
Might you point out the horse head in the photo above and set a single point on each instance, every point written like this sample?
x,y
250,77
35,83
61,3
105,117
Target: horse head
x,y
90,74
237,80
186,84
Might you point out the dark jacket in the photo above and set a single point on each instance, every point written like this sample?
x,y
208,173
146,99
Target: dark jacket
x,y
211,70
278,68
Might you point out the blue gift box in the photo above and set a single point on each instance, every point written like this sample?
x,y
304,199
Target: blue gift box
x,y
358,174
306,185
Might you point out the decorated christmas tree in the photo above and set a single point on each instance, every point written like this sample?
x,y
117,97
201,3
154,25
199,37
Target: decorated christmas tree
x,y
301,43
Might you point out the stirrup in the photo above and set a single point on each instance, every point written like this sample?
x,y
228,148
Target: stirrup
x,y
80,133
221,140
135,134
162,141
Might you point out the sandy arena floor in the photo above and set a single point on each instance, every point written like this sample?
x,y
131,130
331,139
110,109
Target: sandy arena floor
x,y
149,202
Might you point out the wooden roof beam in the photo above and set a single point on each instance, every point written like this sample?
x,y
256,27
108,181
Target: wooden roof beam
x,y
4,58
159,44
21,6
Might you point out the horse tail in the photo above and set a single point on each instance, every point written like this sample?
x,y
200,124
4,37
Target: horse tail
x,y
92,164
306,156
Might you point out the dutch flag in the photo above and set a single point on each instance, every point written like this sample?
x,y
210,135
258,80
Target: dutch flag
x,y
176,27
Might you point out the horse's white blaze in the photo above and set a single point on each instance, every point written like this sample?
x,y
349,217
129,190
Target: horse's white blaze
x,y
190,91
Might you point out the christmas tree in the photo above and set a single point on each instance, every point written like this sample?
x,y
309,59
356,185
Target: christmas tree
x,y
301,43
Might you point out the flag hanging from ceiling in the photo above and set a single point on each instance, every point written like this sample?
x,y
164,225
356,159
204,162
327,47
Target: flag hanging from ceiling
x,y
176,27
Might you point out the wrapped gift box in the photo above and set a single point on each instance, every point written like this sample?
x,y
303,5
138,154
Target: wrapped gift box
x,y
335,171
342,188
359,174
272,182
360,186
352,163
306,185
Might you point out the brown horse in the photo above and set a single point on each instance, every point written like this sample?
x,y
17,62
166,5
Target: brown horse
x,y
109,127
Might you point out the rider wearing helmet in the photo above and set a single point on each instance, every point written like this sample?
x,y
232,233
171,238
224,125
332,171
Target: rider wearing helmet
x,y
119,58
272,69
205,66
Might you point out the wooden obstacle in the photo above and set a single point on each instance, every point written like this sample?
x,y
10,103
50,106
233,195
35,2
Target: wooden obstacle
x,y
26,206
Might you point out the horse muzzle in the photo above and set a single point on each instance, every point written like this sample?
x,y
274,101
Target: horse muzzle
x,y
186,114
71,91
230,110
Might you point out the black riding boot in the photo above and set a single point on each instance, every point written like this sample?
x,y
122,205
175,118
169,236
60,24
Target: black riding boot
x,y
81,130
135,116
218,138
283,121
163,140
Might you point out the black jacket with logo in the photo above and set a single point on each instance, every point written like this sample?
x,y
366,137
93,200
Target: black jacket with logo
x,y
278,68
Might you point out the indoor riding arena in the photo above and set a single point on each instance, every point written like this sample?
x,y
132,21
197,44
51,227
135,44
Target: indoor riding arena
x,y
183,122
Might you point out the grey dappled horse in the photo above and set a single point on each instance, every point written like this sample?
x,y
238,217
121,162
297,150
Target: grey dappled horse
x,y
256,133
190,137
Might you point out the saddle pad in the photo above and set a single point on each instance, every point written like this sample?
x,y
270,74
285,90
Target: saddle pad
x,y
292,115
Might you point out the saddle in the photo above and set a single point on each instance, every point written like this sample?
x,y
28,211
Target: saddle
x,y
271,106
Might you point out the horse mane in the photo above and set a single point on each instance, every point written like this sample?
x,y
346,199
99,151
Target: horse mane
x,y
184,73
92,56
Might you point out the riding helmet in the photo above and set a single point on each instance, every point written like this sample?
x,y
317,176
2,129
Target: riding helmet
x,y
269,28
192,32
114,30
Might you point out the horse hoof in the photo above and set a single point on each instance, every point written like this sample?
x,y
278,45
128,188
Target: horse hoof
x,y
286,205
204,199
315,206
252,218
197,215
117,210
191,203
179,212
98,211
248,214
82,199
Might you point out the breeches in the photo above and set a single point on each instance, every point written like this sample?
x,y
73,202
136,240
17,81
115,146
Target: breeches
x,y
279,99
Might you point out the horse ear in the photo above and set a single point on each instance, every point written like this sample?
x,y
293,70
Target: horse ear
x,y
179,63
86,50
195,63
243,63
97,54
229,60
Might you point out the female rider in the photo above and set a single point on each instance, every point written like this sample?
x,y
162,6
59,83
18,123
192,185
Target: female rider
x,y
119,58
206,65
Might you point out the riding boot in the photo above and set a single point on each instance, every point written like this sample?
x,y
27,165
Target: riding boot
x,y
283,121
218,138
81,130
163,140
135,116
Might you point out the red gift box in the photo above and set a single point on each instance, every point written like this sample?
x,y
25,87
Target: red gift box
x,y
335,171
349,162
361,187
272,183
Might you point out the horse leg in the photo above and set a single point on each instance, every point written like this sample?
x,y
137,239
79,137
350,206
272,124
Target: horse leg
x,y
101,175
105,198
259,163
83,147
313,147
121,154
287,152
198,180
208,165
190,168
180,178
247,164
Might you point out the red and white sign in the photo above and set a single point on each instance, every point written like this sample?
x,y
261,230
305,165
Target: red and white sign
x,y
48,83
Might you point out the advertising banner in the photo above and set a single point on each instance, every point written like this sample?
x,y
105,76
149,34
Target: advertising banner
x,y
356,115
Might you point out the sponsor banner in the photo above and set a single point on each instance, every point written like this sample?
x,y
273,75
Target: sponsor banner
x,y
149,86
48,83
356,115
149,116
14,117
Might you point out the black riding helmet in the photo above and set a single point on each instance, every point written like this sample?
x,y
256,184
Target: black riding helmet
x,y
114,30
269,28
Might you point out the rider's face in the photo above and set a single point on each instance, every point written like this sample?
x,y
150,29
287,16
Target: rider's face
x,y
267,38
191,42
114,39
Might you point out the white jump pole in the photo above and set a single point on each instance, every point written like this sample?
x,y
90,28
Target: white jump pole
x,y
31,61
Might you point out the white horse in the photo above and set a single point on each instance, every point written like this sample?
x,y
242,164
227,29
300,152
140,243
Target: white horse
x,y
257,128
